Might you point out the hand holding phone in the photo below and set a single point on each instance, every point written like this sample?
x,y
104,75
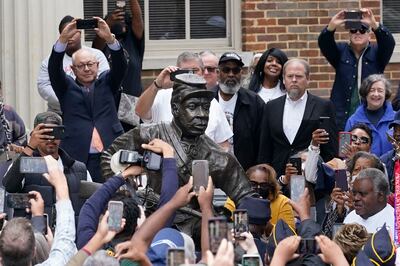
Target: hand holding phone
x,y
344,142
200,174
308,246
115,209
18,200
58,131
296,163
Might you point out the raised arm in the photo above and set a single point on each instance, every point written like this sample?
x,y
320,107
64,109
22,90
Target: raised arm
x,y
137,21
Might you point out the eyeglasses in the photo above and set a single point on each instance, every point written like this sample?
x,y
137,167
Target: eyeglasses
x,y
227,70
362,31
83,65
362,140
210,69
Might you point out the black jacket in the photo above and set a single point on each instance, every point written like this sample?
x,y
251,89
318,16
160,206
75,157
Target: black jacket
x,y
74,171
246,126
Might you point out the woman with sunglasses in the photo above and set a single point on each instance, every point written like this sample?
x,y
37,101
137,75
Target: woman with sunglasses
x,y
267,77
375,111
354,60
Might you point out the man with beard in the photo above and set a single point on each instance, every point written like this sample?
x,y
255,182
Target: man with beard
x,y
289,120
190,105
243,109
74,44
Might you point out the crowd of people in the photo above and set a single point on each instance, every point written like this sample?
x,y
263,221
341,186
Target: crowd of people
x,y
311,181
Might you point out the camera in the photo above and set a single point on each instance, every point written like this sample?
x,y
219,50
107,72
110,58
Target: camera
x,y
150,160
353,19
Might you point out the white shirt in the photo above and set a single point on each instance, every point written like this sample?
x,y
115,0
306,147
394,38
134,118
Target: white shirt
x,y
386,215
217,129
271,94
228,107
293,113
43,82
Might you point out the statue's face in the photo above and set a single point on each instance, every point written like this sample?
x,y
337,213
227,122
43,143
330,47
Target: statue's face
x,y
192,116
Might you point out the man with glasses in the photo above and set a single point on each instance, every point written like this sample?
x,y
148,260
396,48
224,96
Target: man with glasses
x,y
87,103
243,109
210,73
370,191
154,106
354,61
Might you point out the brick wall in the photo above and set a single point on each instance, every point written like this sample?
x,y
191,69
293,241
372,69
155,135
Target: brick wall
x,y
294,26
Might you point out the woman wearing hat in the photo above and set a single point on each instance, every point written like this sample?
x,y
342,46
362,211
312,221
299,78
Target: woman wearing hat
x,y
267,77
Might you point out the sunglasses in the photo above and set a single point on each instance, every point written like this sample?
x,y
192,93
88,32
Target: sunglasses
x,y
362,140
263,185
210,69
362,31
227,70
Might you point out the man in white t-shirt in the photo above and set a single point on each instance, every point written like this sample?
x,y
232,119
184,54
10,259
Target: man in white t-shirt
x,y
370,190
154,105
74,44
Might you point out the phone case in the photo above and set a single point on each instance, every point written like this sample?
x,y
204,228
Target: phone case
x,y
297,186
344,138
296,162
341,179
200,174
34,165
115,209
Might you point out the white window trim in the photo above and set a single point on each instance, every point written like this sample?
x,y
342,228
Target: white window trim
x,y
159,54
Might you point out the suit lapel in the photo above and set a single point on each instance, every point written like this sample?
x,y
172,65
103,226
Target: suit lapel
x,y
279,117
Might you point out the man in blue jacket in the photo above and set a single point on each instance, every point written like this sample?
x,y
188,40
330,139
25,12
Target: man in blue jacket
x,y
87,103
354,61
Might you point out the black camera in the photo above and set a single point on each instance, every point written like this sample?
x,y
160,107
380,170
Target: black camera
x,y
150,160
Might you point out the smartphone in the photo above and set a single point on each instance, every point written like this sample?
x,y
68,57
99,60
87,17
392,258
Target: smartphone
x,y
32,165
341,179
200,174
217,230
296,162
175,256
308,246
324,122
352,19
18,200
120,4
180,71
2,199
335,228
251,260
85,24
344,138
46,222
115,209
297,186
58,132
240,223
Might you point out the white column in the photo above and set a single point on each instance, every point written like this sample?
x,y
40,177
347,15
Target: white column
x,y
28,29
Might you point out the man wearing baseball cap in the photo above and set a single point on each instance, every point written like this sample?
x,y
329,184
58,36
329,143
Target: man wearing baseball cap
x,y
243,109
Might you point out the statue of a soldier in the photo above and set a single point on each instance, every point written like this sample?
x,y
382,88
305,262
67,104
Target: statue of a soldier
x,y
190,103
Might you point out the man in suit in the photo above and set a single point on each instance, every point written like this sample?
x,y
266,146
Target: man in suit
x,y
87,103
289,120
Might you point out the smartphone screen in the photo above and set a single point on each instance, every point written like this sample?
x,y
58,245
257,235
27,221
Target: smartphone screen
x,y
251,260
2,199
344,139
200,174
175,256
297,186
217,230
34,165
46,222
115,209
240,223
308,246
296,162
18,200
341,179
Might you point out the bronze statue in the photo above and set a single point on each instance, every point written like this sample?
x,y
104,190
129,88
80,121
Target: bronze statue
x,y
190,103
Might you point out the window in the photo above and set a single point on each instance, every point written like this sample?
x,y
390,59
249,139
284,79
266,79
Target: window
x,y
390,15
181,24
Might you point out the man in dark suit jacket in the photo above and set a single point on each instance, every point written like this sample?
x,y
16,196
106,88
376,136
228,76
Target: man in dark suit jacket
x,y
87,103
289,121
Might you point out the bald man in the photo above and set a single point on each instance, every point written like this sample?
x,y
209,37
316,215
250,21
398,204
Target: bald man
x,y
88,102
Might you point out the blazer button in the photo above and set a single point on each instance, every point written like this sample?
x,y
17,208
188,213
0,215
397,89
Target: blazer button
x,y
347,61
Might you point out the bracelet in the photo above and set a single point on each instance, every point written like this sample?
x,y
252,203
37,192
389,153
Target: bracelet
x,y
155,84
32,149
86,251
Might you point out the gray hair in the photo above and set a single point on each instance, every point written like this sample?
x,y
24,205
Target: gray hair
x,y
370,80
189,56
207,52
101,258
298,60
377,178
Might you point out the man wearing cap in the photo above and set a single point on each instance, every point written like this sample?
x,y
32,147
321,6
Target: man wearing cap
x,y
154,106
190,105
88,102
42,143
243,109
354,61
